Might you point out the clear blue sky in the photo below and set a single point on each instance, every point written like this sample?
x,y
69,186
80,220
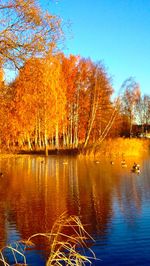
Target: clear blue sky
x,y
116,32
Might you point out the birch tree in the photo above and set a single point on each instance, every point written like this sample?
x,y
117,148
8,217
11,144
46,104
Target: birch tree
x,y
26,31
143,112
99,91
130,99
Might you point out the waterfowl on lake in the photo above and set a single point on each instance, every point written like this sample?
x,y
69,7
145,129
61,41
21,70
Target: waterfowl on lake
x,y
123,163
112,162
137,171
1,174
136,168
40,159
97,161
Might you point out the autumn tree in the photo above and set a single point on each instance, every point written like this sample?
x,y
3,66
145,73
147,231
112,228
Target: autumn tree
x,y
129,100
2,105
26,31
6,121
57,87
58,101
143,112
101,104
70,71
146,99
94,90
39,101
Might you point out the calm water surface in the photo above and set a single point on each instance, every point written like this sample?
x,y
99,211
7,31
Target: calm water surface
x,y
112,201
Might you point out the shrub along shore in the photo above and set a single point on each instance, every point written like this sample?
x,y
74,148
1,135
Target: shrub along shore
x,y
124,147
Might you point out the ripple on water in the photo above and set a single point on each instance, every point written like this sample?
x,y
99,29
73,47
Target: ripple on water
x,y
111,202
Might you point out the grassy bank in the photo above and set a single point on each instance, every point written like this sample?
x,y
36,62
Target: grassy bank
x,y
108,148
120,147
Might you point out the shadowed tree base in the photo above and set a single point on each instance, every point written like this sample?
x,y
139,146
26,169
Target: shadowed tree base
x,y
51,152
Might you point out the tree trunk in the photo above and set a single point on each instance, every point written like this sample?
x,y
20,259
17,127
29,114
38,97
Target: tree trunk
x,y
92,114
29,142
46,150
64,137
57,136
39,133
131,125
36,133
71,125
76,120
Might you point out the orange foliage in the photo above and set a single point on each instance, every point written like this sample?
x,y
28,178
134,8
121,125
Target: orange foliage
x,y
57,101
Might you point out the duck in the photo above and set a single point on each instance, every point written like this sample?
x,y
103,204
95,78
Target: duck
x,y
136,168
41,160
112,162
97,161
123,163
1,174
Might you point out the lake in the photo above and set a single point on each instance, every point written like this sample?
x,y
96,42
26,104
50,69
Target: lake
x,y
113,203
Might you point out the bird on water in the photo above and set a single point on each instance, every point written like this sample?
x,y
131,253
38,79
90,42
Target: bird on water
x,y
123,163
136,168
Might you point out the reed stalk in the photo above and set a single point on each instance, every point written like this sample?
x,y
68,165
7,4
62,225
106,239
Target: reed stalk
x,y
68,243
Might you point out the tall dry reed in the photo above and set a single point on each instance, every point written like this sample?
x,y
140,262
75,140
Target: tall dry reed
x,y
67,244
119,147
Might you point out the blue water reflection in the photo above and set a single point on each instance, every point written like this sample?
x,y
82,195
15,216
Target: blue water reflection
x,y
112,202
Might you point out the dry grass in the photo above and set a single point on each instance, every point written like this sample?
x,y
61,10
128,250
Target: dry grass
x,y
67,243
13,253
120,147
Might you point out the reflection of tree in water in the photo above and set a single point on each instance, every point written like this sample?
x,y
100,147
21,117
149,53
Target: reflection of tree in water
x,y
131,193
40,189
34,194
2,225
3,205
92,187
129,198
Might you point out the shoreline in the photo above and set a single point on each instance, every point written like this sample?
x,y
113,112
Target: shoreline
x,y
111,148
